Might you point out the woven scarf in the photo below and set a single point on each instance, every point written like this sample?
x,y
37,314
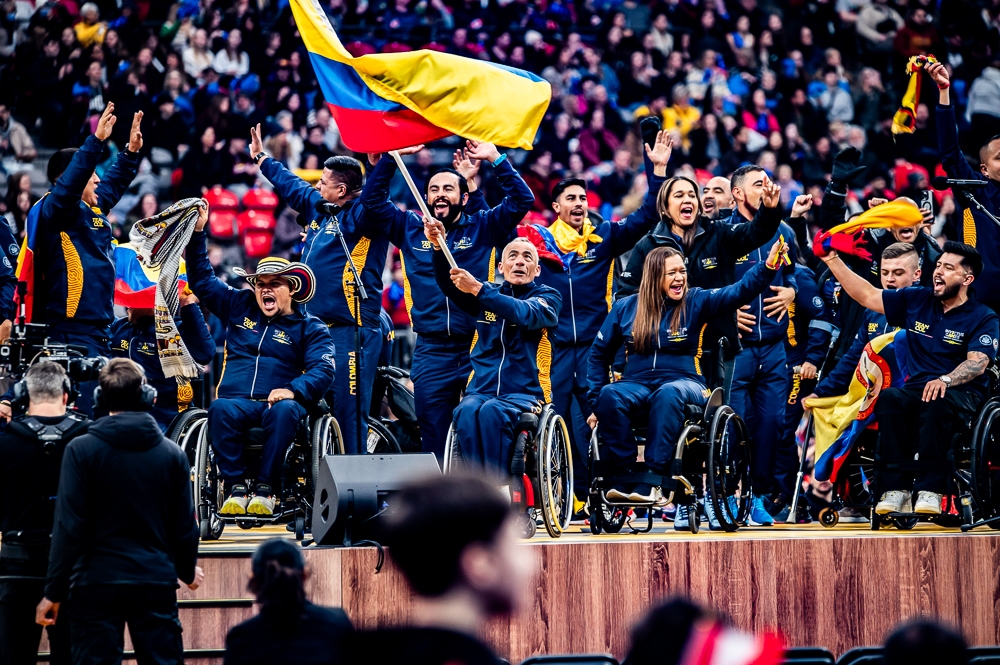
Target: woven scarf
x,y
570,240
160,241
903,121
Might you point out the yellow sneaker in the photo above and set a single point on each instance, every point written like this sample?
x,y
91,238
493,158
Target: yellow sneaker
x,y
262,502
236,504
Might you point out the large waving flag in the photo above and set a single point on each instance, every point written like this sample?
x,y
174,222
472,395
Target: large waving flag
x,y
135,284
848,237
839,421
26,261
386,101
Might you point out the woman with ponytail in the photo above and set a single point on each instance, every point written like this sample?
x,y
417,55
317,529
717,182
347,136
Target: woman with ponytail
x,y
662,330
289,629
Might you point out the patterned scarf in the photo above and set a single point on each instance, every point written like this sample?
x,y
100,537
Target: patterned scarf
x,y
903,121
160,240
570,240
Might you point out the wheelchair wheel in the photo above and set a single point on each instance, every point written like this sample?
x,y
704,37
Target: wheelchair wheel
x,y
904,523
828,517
325,440
207,489
380,439
986,460
555,474
611,518
182,426
694,519
452,451
728,469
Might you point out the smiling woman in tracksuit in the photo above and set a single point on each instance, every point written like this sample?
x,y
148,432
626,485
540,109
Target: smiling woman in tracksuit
x,y
444,332
277,361
662,329
511,351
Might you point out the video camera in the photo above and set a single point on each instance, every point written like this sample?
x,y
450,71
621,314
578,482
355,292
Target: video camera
x,y
29,343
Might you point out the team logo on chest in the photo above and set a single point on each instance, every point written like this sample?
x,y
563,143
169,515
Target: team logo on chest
x,y
953,336
465,242
921,328
281,337
712,262
247,325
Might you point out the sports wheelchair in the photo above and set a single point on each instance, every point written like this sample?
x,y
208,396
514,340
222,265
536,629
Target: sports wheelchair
x,y
541,470
713,443
318,435
399,433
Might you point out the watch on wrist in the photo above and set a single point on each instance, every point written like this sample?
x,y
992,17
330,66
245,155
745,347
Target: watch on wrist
x,y
258,157
945,379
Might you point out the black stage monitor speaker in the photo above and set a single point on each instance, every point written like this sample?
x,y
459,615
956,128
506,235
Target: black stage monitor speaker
x,y
353,490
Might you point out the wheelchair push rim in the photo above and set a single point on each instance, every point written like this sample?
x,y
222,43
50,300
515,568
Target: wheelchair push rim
x,y
208,489
728,468
555,474
986,460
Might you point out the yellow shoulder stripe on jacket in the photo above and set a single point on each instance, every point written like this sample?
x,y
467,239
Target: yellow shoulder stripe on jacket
x,y
358,255
968,228
407,294
543,358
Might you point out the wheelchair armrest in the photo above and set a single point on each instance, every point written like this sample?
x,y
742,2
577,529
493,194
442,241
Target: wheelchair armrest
x,y
528,422
320,408
394,372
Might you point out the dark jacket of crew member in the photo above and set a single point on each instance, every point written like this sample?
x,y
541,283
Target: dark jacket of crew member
x,y
74,252
676,355
474,240
292,352
324,253
142,532
137,341
511,350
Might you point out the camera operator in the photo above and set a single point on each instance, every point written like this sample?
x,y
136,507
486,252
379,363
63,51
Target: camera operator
x,y
124,530
70,236
31,451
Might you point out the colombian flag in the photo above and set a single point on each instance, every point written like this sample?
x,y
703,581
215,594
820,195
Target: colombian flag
x,y
841,420
135,284
387,101
26,261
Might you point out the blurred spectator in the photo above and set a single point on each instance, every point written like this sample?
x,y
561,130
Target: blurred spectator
x,y
925,642
202,165
90,30
918,35
834,99
681,115
168,131
871,103
983,110
15,143
617,184
18,213
597,143
231,60
758,116
147,207
660,33
877,25
196,57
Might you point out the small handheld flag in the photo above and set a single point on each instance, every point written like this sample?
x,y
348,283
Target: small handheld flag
x,y
903,121
848,238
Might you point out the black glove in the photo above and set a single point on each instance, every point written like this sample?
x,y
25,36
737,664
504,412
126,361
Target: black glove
x,y
649,127
847,166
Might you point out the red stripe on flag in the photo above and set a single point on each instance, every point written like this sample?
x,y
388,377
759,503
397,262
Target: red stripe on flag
x,y
382,131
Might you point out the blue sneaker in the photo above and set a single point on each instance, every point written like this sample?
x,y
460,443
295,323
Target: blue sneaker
x,y
713,521
734,507
681,519
758,513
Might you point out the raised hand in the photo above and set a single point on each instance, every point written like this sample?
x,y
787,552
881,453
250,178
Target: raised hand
x,y
772,191
106,123
802,204
939,74
464,164
202,216
135,134
659,154
876,201
412,150
256,144
477,150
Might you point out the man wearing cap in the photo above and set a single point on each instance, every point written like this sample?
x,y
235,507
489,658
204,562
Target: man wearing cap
x,y
134,336
441,363
340,185
277,361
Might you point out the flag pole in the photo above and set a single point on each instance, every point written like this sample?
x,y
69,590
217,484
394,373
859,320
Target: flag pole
x,y
420,202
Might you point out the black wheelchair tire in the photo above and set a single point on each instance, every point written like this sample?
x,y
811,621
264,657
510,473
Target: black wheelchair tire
x,y
828,518
325,439
694,519
300,527
905,523
385,443
612,518
718,463
179,427
207,490
452,452
983,487
554,474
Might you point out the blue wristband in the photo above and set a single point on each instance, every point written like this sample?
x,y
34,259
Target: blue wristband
x,y
499,160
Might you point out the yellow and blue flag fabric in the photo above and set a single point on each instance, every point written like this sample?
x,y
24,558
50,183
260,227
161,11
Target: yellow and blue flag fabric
x,y
386,101
848,238
135,284
840,420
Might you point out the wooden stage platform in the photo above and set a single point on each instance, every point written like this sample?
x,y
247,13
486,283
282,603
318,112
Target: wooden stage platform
x,y
837,588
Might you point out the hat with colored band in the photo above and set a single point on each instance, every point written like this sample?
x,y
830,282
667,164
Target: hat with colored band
x,y
301,280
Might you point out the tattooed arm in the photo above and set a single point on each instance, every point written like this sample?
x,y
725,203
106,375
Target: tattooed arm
x,y
970,369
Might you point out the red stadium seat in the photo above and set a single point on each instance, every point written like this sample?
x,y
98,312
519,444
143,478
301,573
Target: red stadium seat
x,y
260,199
249,220
257,243
223,207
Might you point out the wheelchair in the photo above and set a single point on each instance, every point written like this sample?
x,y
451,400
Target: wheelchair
x,y
541,470
392,419
317,436
974,470
713,443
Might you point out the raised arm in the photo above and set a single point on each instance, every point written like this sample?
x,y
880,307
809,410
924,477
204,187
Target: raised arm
x,y
533,313
467,302
382,217
952,158
602,352
319,369
518,199
217,295
728,298
856,286
59,207
625,234
117,179
195,333
469,169
741,239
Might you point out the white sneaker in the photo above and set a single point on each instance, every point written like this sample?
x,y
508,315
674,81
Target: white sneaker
x,y
236,504
262,502
616,495
654,496
928,503
895,501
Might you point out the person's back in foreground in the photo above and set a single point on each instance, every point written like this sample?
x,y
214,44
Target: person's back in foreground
x,y
288,629
924,642
459,579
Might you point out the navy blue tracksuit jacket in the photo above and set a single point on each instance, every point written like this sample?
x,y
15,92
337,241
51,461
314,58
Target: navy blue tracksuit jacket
x,y
977,229
137,341
441,364
663,381
511,358
293,352
334,305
